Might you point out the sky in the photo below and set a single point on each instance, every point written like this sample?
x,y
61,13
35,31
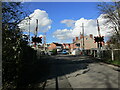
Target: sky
x,y
62,21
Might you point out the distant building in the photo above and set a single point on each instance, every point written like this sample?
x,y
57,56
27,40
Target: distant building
x,y
88,42
66,45
77,43
57,46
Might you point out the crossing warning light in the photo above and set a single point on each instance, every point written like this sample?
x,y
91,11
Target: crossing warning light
x,y
99,39
37,39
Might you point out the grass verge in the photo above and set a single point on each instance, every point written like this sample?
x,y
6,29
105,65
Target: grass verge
x,y
114,62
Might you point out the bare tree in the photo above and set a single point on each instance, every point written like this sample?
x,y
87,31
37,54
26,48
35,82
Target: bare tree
x,y
112,15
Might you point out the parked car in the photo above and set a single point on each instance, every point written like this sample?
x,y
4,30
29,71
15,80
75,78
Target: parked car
x,y
77,51
59,52
65,51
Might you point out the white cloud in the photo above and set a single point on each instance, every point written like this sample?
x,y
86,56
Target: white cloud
x,y
44,23
41,36
90,27
69,23
63,34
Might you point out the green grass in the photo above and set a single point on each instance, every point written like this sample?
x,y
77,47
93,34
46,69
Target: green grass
x,y
115,62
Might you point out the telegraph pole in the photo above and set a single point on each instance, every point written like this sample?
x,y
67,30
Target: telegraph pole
x,y
98,28
29,18
83,37
99,43
29,30
36,30
44,40
36,27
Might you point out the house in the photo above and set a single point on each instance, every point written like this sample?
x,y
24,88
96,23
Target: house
x,y
66,46
88,42
54,45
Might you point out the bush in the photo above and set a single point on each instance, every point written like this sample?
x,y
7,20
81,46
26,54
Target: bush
x,y
54,51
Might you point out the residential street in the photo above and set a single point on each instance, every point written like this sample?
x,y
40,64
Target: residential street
x,y
80,72
55,44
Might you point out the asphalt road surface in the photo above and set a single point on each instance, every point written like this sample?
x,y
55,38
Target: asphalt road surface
x,y
80,72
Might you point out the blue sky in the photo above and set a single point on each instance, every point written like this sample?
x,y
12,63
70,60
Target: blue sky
x,y
58,11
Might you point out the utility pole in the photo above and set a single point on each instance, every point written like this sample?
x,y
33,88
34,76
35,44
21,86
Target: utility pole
x,y
98,28
83,37
29,30
99,43
28,20
80,42
44,40
36,30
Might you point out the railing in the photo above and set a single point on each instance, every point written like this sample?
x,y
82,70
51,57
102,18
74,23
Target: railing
x,y
111,54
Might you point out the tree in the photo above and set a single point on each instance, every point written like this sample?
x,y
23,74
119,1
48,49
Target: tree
x,y
16,54
112,15
12,43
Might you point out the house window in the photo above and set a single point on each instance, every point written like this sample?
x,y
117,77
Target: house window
x,y
86,38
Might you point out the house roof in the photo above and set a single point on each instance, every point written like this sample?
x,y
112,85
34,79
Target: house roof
x,y
57,44
66,43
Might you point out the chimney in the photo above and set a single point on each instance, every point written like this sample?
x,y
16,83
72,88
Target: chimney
x,y
76,38
81,36
91,36
73,40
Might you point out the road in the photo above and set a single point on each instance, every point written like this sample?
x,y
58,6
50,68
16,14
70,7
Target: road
x,y
80,72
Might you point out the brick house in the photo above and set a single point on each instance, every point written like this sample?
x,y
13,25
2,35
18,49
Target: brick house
x,y
66,46
88,42
57,46
77,43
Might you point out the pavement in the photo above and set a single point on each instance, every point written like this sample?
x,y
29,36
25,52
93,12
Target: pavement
x,y
73,72
0,75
